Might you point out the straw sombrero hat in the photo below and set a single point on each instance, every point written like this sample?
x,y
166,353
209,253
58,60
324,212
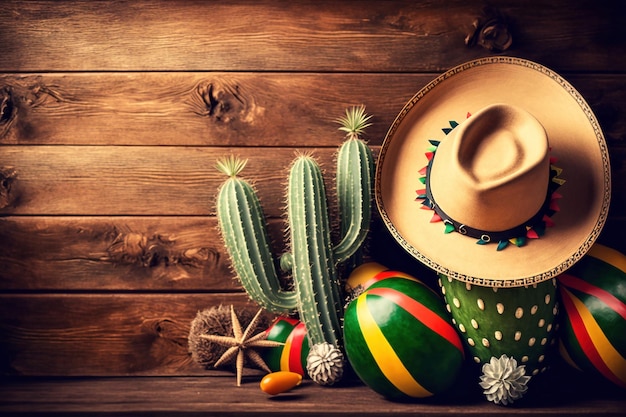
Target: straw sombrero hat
x,y
495,173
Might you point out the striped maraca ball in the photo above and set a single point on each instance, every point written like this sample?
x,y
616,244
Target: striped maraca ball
x,y
593,329
367,274
399,339
292,355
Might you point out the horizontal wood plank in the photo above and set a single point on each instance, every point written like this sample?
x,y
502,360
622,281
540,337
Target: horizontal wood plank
x,y
128,180
230,109
569,395
312,35
106,334
218,109
116,253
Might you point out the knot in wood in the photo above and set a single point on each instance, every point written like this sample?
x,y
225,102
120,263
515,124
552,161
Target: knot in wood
x,y
150,250
6,105
135,244
195,256
224,103
7,110
162,327
130,248
491,31
7,178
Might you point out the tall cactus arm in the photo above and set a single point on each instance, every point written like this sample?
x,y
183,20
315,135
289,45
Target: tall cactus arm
x,y
355,167
243,229
314,269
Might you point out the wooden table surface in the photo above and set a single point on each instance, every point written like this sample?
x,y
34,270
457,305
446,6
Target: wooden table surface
x,y
216,395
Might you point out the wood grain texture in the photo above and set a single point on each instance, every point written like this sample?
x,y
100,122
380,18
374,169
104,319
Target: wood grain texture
x,y
267,35
231,109
217,396
219,109
116,253
129,180
103,334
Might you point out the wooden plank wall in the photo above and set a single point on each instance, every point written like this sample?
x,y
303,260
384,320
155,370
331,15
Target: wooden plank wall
x,y
114,114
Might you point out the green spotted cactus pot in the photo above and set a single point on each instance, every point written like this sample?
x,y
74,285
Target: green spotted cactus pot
x,y
518,322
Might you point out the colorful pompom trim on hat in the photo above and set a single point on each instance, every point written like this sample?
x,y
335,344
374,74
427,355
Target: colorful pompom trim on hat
x,y
517,236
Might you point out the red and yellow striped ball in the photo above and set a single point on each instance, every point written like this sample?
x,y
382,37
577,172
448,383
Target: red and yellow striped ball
x,y
367,274
292,355
593,329
399,339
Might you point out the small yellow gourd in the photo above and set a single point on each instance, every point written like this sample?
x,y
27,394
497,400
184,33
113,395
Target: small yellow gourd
x,y
277,382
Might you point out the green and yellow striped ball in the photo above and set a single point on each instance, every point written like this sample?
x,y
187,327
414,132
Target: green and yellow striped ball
x,y
292,355
399,339
593,329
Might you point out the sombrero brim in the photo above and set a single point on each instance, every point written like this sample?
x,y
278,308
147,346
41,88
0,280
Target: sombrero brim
x,y
576,141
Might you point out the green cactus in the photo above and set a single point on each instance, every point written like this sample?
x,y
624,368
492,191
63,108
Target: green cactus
x,y
351,153
313,258
245,236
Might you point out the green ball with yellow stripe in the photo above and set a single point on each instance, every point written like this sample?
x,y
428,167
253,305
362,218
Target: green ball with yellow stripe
x,y
593,329
399,339
292,355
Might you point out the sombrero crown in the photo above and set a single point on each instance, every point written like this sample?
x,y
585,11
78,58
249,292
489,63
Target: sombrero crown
x,y
492,176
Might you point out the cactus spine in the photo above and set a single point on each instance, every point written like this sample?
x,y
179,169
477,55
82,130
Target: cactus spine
x,y
313,258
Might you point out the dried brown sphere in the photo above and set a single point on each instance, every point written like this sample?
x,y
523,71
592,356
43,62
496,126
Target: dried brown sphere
x,y
216,321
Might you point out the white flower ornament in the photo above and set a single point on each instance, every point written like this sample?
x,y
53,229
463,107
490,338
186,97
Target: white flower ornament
x,y
503,381
325,364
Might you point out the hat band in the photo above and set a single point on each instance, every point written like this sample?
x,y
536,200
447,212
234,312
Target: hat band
x,y
536,222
